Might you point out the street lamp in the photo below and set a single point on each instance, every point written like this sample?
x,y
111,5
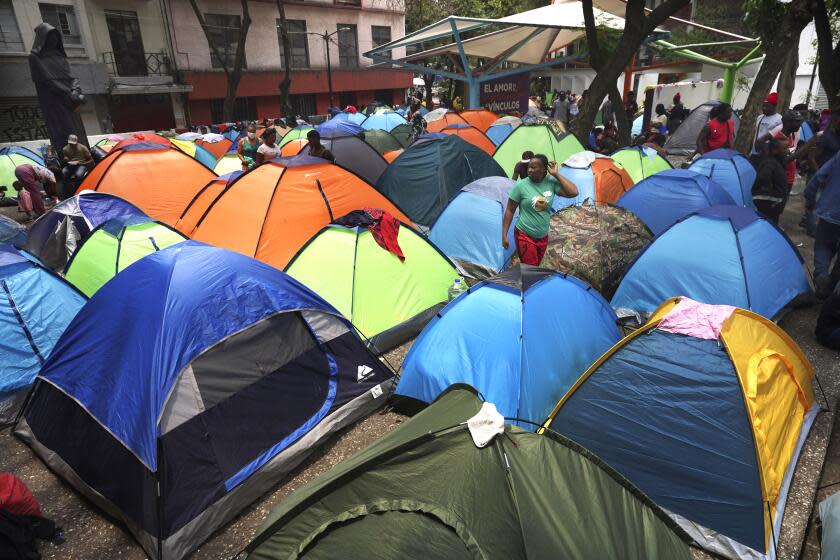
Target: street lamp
x,y
326,37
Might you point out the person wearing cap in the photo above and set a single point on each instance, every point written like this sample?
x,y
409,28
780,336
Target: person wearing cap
x,y
77,161
769,120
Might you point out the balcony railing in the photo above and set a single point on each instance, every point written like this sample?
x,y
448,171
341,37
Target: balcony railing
x,y
133,64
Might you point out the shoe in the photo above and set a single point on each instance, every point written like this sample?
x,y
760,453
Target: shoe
x,y
822,284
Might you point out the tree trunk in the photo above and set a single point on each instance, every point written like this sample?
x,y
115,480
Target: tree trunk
x,y
622,119
787,78
286,44
783,40
828,55
428,80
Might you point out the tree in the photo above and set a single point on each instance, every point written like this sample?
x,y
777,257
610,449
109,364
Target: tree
x,y
779,26
787,76
286,44
233,72
638,26
826,13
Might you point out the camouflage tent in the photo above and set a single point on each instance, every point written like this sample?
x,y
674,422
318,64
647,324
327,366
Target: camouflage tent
x,y
595,243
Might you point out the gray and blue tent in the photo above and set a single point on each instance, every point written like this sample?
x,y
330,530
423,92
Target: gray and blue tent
x,y
431,172
190,384
683,141
11,231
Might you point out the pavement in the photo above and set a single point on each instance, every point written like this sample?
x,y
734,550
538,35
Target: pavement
x,y
90,534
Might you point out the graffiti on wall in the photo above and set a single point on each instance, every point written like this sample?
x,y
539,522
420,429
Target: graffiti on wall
x,y
21,120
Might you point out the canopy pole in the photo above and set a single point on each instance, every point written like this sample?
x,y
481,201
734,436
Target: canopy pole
x,y
728,84
474,93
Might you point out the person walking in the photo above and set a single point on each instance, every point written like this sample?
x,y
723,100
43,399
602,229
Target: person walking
x,y
533,197
826,208
768,120
418,123
560,109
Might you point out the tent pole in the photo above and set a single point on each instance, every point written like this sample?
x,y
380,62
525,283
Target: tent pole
x,y
728,84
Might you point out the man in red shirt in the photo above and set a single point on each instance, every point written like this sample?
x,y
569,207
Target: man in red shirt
x,y
719,132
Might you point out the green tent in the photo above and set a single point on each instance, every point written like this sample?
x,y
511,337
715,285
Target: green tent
x,y
425,490
10,158
298,133
403,134
382,141
113,246
387,300
538,138
640,162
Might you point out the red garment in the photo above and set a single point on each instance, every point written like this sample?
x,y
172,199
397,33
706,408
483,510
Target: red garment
x,y
790,167
385,230
721,135
530,250
28,179
15,497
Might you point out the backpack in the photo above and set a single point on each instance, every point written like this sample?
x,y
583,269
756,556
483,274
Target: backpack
x,y
21,522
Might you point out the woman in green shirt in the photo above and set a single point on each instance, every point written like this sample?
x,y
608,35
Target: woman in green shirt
x,y
533,196
248,148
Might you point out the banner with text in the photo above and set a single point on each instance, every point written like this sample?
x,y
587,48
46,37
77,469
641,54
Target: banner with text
x,y
506,95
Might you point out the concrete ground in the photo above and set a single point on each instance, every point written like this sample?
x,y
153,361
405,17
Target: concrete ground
x,y
92,535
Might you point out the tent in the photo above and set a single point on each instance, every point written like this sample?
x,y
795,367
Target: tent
x,y
597,178
426,490
277,207
381,141
720,255
11,232
521,338
375,107
387,300
424,178
540,139
160,180
386,121
640,162
668,196
9,159
830,523
705,409
683,141
218,147
472,135
193,150
595,243
107,143
189,385
730,170
479,118
353,153
141,138
467,231
392,155
502,128
403,134
35,308
113,246
335,127
297,133
54,237
228,163
293,147
439,121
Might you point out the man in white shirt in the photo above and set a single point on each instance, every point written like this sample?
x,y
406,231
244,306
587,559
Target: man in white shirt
x,y
769,120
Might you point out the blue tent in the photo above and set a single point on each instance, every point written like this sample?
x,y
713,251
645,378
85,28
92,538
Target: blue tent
x,y
189,372
720,255
730,170
232,134
498,132
383,121
666,197
430,172
54,236
20,150
521,338
11,232
334,128
636,128
35,308
468,229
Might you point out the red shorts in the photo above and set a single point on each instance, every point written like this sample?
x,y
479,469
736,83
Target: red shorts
x,y
530,250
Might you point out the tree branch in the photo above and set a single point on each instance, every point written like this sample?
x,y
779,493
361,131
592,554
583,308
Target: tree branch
x,y
591,35
206,29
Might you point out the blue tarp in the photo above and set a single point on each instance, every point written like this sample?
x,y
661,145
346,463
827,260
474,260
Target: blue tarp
x,y
670,195
383,121
730,170
184,299
667,412
720,255
522,352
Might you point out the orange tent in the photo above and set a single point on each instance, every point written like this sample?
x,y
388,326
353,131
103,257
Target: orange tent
x,y
218,149
479,118
160,180
472,135
392,155
448,119
270,212
597,178
139,137
293,147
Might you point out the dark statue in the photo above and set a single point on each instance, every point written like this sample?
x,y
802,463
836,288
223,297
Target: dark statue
x,y
59,93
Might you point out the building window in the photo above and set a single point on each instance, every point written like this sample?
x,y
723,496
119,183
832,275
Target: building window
x,y
223,32
346,98
303,105
299,41
385,96
245,109
10,39
348,46
357,3
62,18
381,35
